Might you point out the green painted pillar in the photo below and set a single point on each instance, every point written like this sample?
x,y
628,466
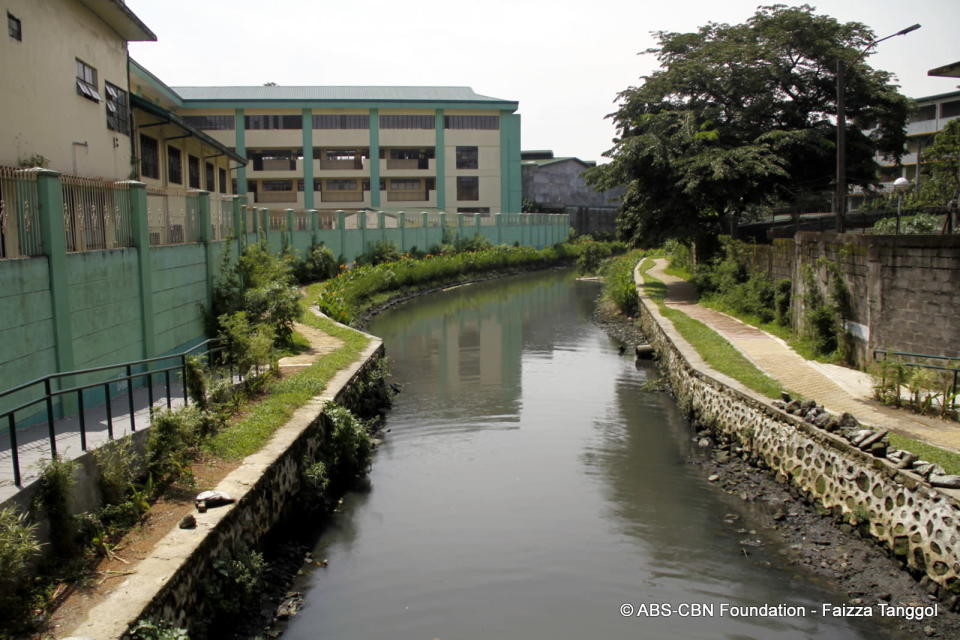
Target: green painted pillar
x,y
443,225
140,229
424,220
374,157
206,238
265,225
511,186
381,219
498,221
288,238
50,203
441,153
476,224
237,211
241,144
402,223
342,228
308,158
459,226
314,226
362,225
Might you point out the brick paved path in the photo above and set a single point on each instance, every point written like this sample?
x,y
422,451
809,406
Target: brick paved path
x,y
800,376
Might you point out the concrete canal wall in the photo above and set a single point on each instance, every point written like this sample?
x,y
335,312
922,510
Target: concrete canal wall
x,y
916,522
169,584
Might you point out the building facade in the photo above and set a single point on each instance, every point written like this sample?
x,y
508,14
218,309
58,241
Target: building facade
x,y
329,148
65,98
930,115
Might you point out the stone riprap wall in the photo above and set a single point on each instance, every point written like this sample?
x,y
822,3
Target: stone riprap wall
x,y
915,521
169,584
905,290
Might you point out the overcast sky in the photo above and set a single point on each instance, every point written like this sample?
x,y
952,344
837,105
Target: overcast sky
x,y
564,61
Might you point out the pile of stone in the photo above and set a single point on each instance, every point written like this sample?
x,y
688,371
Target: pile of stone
x,y
870,440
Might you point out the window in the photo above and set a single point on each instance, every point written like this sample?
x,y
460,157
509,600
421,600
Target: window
x,y
345,121
14,28
342,185
87,81
407,122
468,188
149,157
950,109
926,112
193,169
211,123
405,184
273,122
277,185
473,210
471,122
467,158
174,165
118,113
223,180
209,175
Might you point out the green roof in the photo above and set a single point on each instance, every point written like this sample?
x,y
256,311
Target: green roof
x,y
344,93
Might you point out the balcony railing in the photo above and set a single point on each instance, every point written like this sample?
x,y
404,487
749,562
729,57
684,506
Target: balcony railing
x,y
407,196
341,196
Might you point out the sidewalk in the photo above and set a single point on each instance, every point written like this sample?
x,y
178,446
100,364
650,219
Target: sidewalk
x,y
837,388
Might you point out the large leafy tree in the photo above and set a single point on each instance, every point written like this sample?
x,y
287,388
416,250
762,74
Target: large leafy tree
x,y
740,116
940,183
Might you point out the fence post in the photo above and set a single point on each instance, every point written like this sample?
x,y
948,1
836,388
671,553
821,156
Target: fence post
x,y
237,223
498,221
203,209
476,224
290,224
402,223
50,206
140,230
341,227
424,220
381,218
314,225
265,226
362,225
459,226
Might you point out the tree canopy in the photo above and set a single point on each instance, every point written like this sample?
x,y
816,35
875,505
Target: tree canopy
x,y
940,173
741,116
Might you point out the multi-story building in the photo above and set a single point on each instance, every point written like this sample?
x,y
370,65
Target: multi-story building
x,y
930,115
65,92
328,148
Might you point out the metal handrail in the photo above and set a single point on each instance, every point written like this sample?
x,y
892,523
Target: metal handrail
x,y
955,370
128,377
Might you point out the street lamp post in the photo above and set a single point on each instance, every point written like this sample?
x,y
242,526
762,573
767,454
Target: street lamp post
x,y
840,197
900,185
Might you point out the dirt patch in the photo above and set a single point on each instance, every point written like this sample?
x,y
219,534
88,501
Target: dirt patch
x,y
767,513
135,546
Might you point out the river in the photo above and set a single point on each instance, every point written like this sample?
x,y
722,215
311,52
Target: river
x,y
531,487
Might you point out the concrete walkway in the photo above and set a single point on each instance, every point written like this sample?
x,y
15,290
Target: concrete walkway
x,y
837,388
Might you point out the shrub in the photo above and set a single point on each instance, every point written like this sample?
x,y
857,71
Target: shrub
x,y
118,465
347,447
591,255
319,264
618,284
57,477
782,301
18,550
922,223
235,580
378,253
149,630
172,436
275,304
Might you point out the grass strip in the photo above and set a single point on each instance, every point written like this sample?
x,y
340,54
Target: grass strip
x,y
283,397
712,347
949,460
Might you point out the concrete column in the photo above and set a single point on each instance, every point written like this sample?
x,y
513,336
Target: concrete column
x,y
314,225
206,238
362,224
308,158
238,221
341,227
402,222
374,157
290,225
265,225
424,232
459,226
50,205
381,219
498,220
140,230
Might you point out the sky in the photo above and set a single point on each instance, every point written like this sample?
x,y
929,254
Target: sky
x,y
564,61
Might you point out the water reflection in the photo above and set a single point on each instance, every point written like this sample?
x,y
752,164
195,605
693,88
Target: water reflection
x,y
529,486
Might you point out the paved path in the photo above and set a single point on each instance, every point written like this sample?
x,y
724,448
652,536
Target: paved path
x,y
837,388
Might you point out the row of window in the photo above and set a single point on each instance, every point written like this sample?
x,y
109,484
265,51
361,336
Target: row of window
x,y
150,167
468,187
286,159
929,111
344,121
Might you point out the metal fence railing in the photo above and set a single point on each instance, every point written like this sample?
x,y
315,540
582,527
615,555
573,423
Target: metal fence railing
x,y
104,408
173,216
19,214
916,360
96,214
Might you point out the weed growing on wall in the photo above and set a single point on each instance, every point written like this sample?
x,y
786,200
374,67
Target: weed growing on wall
x,y
234,581
618,284
150,630
118,465
173,435
347,447
56,480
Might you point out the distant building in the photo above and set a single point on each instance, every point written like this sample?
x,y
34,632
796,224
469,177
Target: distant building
x,y
930,116
555,184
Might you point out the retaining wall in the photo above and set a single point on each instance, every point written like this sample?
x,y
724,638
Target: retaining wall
x,y
916,522
907,288
168,584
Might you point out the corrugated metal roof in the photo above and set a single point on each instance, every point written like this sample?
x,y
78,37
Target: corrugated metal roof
x,y
426,94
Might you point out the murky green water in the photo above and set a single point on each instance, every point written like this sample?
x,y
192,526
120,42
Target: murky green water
x,y
529,487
